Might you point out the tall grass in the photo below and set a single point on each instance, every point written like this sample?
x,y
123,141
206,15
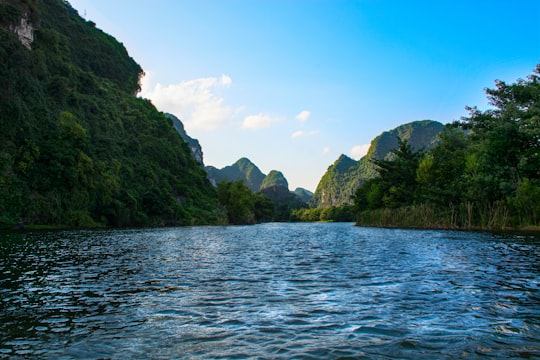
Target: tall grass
x,y
466,216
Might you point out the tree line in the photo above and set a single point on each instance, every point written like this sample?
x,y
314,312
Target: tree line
x,y
484,172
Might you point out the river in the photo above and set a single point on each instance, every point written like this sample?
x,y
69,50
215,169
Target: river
x,y
269,291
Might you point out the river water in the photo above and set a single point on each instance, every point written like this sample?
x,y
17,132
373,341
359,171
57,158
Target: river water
x,y
270,291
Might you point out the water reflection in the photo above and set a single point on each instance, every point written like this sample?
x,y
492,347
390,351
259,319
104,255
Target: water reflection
x,y
271,291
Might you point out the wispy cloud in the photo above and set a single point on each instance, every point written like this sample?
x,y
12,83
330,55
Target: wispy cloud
x,y
196,102
301,133
258,121
326,150
303,116
358,151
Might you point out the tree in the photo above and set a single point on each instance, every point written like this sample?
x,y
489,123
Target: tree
x,y
398,175
506,137
441,172
242,205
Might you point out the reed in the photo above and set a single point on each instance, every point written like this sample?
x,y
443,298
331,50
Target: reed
x,y
465,216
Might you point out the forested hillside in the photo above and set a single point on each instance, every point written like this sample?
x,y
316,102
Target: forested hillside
x,y
77,147
484,172
338,184
243,169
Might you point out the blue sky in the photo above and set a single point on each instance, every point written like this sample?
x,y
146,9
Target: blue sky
x,y
292,84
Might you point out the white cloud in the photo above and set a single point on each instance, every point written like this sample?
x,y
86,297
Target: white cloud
x,y
196,102
358,151
326,150
297,134
256,121
226,80
300,133
303,116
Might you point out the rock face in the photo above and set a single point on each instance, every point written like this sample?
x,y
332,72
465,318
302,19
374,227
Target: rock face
x,y
342,178
25,32
194,146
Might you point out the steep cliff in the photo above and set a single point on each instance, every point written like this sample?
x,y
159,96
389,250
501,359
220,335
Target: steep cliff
x,y
194,146
21,18
343,177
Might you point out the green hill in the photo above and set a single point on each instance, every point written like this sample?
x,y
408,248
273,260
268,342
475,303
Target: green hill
x,y
243,169
343,177
274,178
303,194
77,147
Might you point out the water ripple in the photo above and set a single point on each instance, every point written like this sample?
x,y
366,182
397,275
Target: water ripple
x,y
279,291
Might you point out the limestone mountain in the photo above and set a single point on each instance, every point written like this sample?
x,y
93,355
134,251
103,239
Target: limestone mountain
x,y
194,145
337,184
274,185
343,177
303,194
243,169
274,178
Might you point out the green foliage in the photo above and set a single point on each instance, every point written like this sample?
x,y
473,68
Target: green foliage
x,y
525,204
284,201
482,174
396,185
77,148
441,172
242,206
333,213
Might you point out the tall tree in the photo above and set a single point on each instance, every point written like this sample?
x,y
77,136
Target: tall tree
x,y
396,185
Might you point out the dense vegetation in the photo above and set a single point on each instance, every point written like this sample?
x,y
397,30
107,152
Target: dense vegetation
x,y
77,148
484,172
343,213
241,205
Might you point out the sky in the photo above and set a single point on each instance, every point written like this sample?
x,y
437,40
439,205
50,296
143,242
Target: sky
x,y
293,84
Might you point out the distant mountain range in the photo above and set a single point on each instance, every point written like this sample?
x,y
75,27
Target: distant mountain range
x,y
340,181
274,185
243,169
345,175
